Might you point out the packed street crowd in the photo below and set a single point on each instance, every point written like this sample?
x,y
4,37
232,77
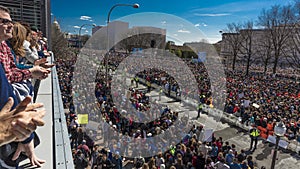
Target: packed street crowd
x,y
276,97
129,123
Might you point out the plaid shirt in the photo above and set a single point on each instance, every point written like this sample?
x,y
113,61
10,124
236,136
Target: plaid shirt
x,y
12,73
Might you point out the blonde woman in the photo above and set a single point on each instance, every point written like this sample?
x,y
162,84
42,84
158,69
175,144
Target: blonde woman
x,y
16,44
30,45
23,88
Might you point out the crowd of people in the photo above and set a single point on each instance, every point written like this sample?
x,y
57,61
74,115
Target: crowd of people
x,y
259,99
23,52
265,100
190,152
125,123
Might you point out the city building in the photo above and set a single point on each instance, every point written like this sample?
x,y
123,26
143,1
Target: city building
x,y
34,12
121,37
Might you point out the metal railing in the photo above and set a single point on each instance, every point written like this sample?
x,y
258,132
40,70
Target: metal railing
x,y
62,150
55,144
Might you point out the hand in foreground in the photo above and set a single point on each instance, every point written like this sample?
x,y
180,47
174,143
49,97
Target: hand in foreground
x,y
28,149
43,63
39,72
18,124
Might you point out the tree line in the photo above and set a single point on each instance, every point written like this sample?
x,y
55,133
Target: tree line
x,y
273,39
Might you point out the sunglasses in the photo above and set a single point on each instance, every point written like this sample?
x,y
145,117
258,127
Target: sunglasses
x,y
6,21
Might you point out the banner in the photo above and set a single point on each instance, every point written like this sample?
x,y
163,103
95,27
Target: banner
x,y
255,105
241,95
137,51
83,118
282,143
246,103
201,56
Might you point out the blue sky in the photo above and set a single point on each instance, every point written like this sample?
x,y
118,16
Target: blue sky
x,y
209,16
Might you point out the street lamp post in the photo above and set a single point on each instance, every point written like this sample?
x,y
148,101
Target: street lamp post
x,y
108,47
279,131
79,34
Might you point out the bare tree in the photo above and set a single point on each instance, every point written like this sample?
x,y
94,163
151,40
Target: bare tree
x,y
59,43
293,48
279,21
246,47
232,39
264,48
292,52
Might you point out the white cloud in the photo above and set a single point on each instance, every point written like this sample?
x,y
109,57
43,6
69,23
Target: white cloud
x,y
175,34
77,27
212,15
85,18
91,20
201,25
163,22
51,14
83,28
183,31
86,31
213,40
